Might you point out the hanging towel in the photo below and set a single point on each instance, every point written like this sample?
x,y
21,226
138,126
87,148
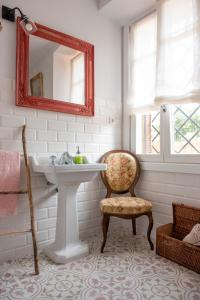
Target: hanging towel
x,y
9,181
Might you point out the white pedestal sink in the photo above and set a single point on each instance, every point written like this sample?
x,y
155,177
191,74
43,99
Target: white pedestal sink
x,y
67,178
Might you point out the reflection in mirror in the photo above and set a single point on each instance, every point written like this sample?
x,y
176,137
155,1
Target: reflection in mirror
x,y
55,71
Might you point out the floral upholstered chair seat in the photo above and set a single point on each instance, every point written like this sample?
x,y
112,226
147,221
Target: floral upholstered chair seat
x,y
121,176
125,205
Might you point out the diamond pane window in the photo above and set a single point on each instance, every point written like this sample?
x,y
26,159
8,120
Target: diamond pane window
x,y
186,129
148,133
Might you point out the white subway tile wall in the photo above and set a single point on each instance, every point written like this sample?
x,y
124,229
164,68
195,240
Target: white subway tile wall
x,y
164,188
53,133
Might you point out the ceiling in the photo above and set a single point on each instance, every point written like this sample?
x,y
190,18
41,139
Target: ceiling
x,y
123,11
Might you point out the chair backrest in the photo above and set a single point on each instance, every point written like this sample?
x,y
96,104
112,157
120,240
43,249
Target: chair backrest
x,y
122,174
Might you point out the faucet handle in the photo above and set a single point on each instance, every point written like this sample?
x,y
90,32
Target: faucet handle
x,y
53,158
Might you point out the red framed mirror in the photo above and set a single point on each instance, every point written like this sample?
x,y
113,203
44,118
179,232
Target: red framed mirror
x,y
54,71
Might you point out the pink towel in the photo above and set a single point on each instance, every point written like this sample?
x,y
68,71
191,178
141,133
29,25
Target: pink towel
x,y
9,181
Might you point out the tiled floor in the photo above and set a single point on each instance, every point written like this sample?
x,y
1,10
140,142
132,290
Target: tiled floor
x,y
127,270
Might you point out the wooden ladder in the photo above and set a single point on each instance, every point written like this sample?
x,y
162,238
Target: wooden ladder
x,y
31,207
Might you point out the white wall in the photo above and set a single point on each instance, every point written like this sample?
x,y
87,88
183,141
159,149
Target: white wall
x,y
45,66
163,188
50,132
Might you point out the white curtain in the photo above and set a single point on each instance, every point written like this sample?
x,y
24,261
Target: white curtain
x,y
142,63
165,56
178,52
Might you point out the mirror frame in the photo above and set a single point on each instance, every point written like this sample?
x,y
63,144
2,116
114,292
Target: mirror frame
x,y
22,72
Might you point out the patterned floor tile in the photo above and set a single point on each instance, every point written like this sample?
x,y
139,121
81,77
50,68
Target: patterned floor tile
x,y
127,270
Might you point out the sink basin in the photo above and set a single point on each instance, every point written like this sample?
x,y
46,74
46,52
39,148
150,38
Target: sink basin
x,y
66,174
67,178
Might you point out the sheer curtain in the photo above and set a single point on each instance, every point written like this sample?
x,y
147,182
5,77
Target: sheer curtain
x,y
142,63
178,51
165,56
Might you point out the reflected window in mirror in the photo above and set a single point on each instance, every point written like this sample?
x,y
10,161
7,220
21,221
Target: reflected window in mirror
x,y
62,69
77,79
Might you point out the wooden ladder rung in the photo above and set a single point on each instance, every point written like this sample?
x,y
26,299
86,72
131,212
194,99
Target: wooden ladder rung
x,y
14,192
14,232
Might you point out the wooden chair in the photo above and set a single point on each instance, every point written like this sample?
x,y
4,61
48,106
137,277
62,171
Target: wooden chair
x,y
121,176
28,191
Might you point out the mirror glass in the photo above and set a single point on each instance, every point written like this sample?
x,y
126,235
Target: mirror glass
x,y
55,71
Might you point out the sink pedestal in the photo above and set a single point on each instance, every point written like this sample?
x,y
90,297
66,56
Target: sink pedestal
x,y
67,178
67,245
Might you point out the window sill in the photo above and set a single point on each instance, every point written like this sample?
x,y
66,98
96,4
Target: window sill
x,y
170,167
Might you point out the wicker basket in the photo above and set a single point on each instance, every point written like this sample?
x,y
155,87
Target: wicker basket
x,y
169,237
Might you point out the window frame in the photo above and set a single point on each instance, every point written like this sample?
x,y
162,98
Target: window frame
x,y
168,155
166,133
133,137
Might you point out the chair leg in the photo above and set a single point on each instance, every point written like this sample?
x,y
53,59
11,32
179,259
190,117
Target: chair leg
x,y
134,226
149,215
105,225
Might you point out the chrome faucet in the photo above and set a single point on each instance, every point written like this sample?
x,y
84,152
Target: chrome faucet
x,y
66,158
53,159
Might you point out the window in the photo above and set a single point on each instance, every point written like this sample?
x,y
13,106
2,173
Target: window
x,y
172,135
164,83
148,133
186,129
77,79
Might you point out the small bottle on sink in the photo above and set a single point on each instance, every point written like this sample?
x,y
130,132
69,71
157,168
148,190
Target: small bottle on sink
x,y
78,159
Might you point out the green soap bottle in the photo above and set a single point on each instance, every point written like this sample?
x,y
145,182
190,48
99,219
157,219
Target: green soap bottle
x,y
78,159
